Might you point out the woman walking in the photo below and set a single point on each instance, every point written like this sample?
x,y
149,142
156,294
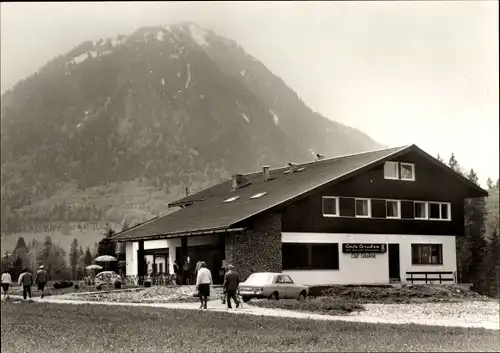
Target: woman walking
x,y
203,282
6,282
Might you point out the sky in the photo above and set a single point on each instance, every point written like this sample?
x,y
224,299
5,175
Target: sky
x,y
403,72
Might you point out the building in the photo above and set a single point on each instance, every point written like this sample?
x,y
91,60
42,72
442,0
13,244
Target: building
x,y
366,218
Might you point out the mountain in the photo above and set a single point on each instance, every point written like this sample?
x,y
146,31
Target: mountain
x,y
116,128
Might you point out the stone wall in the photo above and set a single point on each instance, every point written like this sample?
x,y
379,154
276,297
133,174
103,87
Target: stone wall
x,y
257,249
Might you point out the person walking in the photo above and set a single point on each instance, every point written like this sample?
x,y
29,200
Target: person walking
x,y
203,282
26,279
6,282
41,279
231,282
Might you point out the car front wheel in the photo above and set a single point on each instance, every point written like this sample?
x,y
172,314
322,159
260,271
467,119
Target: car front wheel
x,y
246,299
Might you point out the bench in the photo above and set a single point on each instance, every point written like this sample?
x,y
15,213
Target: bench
x,y
432,277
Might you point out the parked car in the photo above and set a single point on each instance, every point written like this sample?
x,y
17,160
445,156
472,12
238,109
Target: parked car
x,y
270,285
107,278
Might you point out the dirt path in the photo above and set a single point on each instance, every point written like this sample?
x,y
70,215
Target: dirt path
x,y
475,314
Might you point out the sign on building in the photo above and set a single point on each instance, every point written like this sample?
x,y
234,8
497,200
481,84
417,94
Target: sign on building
x,y
363,248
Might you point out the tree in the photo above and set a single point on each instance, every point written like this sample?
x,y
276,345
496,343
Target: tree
x,y
473,245
440,159
20,244
106,247
74,256
489,184
472,176
492,263
453,164
20,256
87,258
53,258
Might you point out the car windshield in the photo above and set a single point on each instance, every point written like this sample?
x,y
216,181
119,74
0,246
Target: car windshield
x,y
259,278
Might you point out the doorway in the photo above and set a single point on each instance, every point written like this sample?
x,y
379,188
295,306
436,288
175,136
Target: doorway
x,y
394,265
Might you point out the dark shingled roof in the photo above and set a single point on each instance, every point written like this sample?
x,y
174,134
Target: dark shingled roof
x,y
208,212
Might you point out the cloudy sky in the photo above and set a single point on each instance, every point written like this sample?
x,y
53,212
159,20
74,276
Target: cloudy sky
x,y
403,72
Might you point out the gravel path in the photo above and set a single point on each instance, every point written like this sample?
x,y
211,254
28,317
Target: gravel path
x,y
466,314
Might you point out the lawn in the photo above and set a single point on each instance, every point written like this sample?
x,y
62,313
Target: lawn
x,y
43,327
319,305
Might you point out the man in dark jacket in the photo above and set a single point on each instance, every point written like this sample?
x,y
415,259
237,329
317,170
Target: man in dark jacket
x,y
26,280
231,282
41,279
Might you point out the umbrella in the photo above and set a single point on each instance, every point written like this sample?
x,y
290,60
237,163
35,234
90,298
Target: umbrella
x,y
93,267
105,258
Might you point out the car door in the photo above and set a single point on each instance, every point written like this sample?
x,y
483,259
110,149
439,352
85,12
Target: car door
x,y
292,291
279,285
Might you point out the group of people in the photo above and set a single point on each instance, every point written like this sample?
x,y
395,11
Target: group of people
x,y
26,280
204,281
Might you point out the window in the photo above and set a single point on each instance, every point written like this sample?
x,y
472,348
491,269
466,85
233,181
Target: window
x,y
420,210
378,208
231,199
362,208
279,279
346,207
391,170
401,171
260,194
427,254
330,206
393,209
287,279
407,210
439,210
407,171
307,256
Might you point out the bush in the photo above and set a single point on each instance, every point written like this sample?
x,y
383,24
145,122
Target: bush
x,y
322,305
63,284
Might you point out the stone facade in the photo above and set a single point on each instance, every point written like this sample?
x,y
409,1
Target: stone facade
x,y
257,249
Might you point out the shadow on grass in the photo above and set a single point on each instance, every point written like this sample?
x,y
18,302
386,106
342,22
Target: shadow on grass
x,y
319,305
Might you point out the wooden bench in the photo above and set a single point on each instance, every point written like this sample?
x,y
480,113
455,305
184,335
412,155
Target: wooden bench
x,y
433,275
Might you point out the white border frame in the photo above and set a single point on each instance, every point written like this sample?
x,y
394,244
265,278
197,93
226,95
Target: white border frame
x,y
397,171
399,209
426,208
427,244
336,206
440,211
401,164
369,207
398,203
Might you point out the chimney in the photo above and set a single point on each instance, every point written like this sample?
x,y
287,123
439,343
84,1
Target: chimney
x,y
319,157
265,172
239,180
187,191
292,167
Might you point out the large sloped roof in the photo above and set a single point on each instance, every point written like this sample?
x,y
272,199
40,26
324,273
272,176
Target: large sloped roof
x,y
209,212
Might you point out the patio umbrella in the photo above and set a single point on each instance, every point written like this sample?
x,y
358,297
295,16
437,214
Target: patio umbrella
x,y
105,258
93,267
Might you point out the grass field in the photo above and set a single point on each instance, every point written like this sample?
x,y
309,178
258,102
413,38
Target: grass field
x,y
39,327
320,305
